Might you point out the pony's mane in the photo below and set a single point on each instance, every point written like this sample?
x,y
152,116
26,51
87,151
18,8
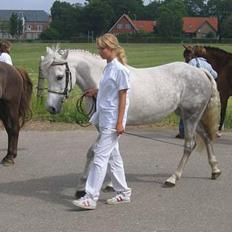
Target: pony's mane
x,y
218,50
84,52
56,54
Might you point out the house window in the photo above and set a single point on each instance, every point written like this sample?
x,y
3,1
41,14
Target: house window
x,y
128,26
119,26
39,28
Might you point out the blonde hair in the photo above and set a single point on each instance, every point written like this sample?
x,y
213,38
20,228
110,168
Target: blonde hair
x,y
110,41
199,51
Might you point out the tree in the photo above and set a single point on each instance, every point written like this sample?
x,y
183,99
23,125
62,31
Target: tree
x,y
226,27
16,26
221,9
196,7
98,16
170,17
65,19
49,34
151,11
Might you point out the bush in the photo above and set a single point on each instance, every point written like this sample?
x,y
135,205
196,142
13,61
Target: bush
x,y
142,37
49,34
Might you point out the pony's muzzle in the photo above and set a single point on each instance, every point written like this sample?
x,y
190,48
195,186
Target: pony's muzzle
x,y
52,110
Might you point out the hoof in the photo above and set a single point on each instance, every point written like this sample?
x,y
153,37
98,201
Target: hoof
x,y
108,189
7,162
79,194
216,175
168,184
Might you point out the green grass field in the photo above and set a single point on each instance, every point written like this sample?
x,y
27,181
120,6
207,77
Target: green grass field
x,y
27,55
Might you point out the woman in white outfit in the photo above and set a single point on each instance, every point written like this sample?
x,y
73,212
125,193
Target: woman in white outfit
x,y
110,117
5,47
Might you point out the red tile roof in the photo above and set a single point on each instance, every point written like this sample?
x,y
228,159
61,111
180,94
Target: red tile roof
x,y
192,24
144,25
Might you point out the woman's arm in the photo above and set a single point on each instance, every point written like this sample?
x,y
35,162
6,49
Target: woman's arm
x,y
121,110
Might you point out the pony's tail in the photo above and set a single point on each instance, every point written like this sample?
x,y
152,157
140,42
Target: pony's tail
x,y
211,115
25,112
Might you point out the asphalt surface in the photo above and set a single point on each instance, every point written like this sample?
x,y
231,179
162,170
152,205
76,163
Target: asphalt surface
x,y
36,193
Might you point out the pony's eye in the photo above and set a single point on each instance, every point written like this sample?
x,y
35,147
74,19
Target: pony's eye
x,y
60,77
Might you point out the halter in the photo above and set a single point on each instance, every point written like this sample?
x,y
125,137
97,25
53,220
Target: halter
x,y
68,78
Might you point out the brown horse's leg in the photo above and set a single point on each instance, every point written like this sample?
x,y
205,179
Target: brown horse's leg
x,y
224,101
11,123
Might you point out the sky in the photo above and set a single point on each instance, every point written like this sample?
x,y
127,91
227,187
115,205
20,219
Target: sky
x,y
34,4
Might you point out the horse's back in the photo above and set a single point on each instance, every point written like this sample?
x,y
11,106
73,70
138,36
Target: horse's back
x,y
158,91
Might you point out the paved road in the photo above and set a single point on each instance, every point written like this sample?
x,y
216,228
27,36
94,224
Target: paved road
x,y
36,193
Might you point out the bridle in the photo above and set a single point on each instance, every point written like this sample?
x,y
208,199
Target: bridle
x,y
79,103
68,78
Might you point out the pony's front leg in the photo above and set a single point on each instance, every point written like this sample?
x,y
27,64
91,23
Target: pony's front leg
x,y
188,148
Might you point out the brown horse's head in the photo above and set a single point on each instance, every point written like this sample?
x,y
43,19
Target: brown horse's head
x,y
188,53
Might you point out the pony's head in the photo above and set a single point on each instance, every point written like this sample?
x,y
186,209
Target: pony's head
x,y
188,53
54,67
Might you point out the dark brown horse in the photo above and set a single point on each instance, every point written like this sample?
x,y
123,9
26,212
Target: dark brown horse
x,y
221,62
15,96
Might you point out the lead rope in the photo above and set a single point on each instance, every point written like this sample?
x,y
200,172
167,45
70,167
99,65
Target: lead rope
x,y
81,111
157,140
86,115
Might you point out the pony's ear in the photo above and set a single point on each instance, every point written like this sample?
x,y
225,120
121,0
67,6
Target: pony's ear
x,y
185,46
41,58
65,54
49,50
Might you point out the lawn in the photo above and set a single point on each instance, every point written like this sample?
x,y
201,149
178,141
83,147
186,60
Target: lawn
x,y
27,55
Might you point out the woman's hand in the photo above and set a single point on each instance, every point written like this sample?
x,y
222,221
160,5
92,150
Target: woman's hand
x,y
119,129
92,92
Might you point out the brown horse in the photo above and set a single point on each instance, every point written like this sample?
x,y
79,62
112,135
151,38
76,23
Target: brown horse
x,y
221,62
15,96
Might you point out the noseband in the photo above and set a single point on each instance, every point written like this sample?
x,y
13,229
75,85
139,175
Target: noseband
x,y
68,78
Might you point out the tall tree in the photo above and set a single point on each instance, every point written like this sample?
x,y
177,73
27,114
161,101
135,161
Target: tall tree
x,y
221,9
16,26
196,7
226,27
151,11
64,19
170,17
98,16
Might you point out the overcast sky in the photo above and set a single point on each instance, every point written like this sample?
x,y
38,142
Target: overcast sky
x,y
33,4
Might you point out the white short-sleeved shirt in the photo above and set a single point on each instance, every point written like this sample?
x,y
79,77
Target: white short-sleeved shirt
x,y
115,78
5,57
201,62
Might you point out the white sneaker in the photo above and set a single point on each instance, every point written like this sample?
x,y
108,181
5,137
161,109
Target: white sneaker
x,y
85,202
219,134
120,198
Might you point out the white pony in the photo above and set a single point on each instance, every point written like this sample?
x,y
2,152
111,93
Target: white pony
x,y
155,92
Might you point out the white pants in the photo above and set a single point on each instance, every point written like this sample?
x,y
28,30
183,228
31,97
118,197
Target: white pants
x,y
106,151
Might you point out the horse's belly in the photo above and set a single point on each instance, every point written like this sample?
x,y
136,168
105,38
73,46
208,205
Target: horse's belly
x,y
151,113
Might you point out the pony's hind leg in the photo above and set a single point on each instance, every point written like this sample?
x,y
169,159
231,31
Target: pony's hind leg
x,y
189,145
210,152
11,124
